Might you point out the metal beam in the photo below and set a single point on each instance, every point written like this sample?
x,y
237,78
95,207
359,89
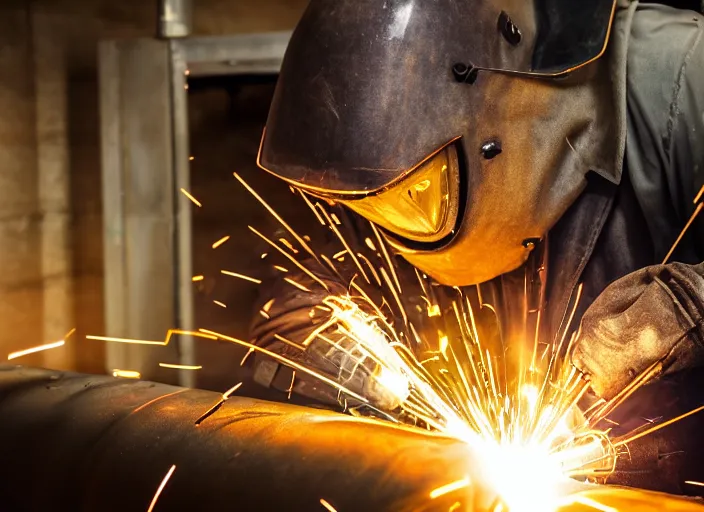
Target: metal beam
x,y
138,201
235,55
175,18
145,164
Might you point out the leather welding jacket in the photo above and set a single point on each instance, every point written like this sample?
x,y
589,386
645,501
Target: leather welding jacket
x,y
627,218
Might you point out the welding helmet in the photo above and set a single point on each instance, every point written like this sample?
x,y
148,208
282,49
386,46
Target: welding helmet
x,y
457,126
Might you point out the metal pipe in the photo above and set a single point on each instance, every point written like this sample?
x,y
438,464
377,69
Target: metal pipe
x,y
175,18
85,443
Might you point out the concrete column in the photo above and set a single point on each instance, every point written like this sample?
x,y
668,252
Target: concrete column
x,y
53,185
21,285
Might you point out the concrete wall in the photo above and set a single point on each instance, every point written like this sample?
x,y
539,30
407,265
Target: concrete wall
x,y
50,207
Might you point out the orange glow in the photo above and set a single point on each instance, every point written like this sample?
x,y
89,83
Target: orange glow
x,y
511,417
34,350
583,500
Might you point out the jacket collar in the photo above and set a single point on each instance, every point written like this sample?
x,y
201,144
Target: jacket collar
x,y
610,165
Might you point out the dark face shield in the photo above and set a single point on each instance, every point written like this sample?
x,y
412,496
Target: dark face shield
x,y
370,88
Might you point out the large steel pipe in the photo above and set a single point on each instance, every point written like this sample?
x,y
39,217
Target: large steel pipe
x,y
86,443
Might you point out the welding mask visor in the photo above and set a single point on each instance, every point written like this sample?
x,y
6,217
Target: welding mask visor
x,y
374,108
420,205
369,88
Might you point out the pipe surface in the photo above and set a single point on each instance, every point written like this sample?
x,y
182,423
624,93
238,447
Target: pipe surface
x,y
87,443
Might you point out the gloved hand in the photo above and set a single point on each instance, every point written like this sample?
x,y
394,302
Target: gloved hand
x,y
654,314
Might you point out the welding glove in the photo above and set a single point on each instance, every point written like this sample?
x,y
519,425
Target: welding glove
x,y
288,320
655,314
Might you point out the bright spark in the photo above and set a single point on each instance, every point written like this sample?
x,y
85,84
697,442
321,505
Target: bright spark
x,y
221,241
683,232
516,416
125,340
181,366
288,245
34,350
241,276
189,196
297,285
290,363
221,304
215,408
276,216
451,487
433,310
196,279
699,195
161,488
230,391
327,505
170,333
126,374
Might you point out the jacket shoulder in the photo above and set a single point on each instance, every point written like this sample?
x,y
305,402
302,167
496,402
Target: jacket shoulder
x,y
661,41
665,96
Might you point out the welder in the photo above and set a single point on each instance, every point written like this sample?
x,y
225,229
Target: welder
x,y
475,133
